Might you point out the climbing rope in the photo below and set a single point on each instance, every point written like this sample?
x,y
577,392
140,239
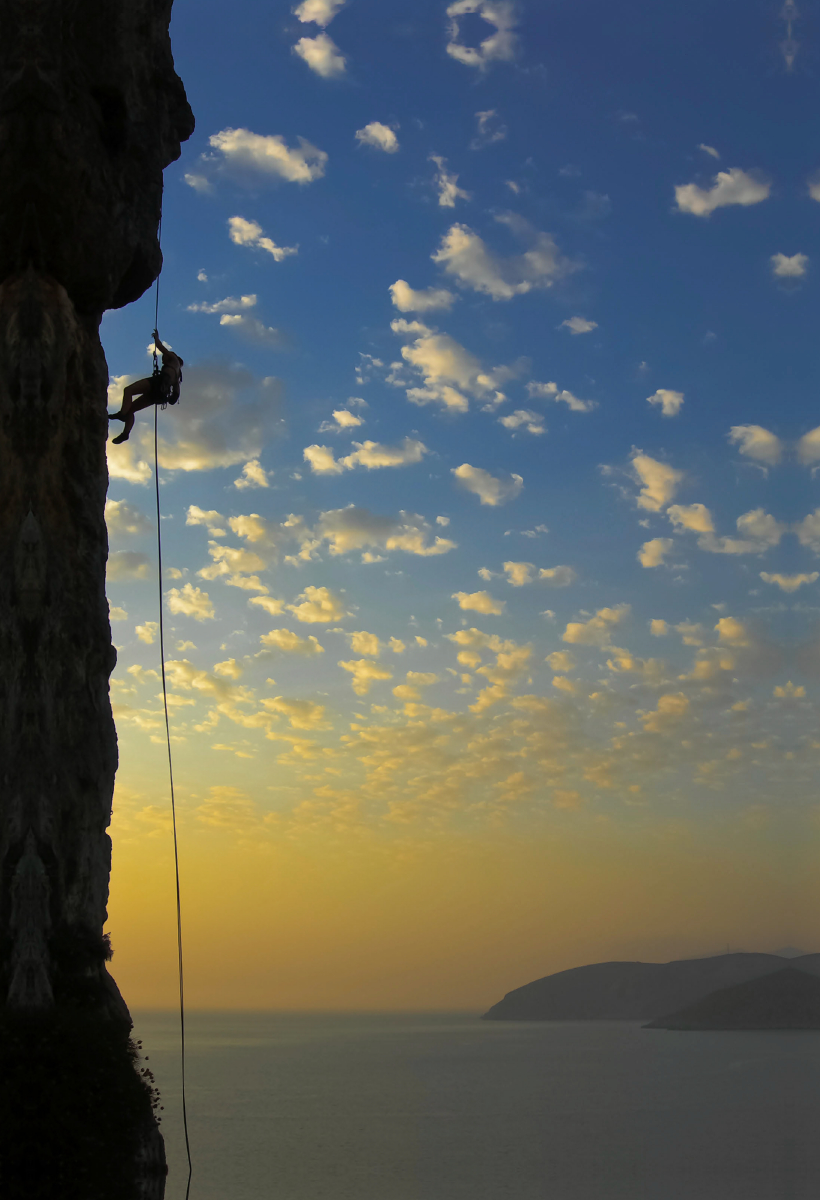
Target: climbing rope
x,y
171,771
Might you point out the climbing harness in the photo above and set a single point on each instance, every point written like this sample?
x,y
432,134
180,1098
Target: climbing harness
x,y
170,762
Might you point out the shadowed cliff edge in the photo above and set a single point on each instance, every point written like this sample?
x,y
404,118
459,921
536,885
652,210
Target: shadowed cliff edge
x,y
91,111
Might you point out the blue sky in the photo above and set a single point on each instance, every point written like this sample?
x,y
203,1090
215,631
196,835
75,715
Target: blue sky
x,y
557,288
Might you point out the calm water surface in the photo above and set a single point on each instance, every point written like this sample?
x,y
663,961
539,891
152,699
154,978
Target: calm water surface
x,y
447,1107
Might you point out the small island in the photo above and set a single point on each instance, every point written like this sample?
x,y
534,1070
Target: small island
x,y
786,999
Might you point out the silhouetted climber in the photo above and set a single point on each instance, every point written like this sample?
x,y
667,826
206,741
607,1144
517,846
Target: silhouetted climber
x,y
160,388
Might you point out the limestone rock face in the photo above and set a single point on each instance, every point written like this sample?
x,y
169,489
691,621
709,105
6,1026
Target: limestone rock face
x,y
91,111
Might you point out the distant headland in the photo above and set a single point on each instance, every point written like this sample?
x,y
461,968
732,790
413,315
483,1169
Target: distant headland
x,y
637,991
786,999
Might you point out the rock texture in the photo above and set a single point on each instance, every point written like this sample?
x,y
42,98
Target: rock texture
x,y
634,991
787,999
91,111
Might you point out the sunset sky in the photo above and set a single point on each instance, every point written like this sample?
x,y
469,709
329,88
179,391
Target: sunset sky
x,y
491,525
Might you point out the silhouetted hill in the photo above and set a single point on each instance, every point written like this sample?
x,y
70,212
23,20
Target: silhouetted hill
x,y
635,991
787,999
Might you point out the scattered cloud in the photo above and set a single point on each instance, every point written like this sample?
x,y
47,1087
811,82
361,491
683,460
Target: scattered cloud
x,y
249,233
659,482
231,304
653,552
450,374
354,528
522,418
489,129
253,475
247,157
480,602
343,418
362,642
710,150
365,673
785,267
758,443
124,565
519,573
190,601
465,256
289,642
808,448
447,184
729,187
499,46
670,403
557,576
317,605
270,605
693,517
253,330
490,489
597,630
147,633
320,12
789,583
380,137
551,391
407,299
758,530
578,325
123,520
371,455
322,55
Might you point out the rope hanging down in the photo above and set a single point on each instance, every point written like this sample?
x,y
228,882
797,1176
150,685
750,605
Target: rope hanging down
x,y
171,774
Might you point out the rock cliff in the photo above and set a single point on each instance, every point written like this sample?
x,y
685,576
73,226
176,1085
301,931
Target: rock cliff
x,y
91,111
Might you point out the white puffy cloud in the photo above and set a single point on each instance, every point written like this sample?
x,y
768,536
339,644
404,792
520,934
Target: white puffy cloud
x,y
489,488
551,391
489,129
243,155
362,642
322,55
789,267
353,528
597,630
289,642
127,564
365,673
808,448
123,520
231,304
465,256
320,12
659,482
301,714
213,521
789,583
343,418
498,46
578,325
147,633
653,552
519,573
729,187
380,137
190,601
557,576
808,531
253,475
732,632
407,299
371,455
758,443
249,233
693,517
446,184
758,532
672,708
318,605
523,418
480,602
449,373
658,627
234,562
272,606
253,330
117,613
670,403
560,660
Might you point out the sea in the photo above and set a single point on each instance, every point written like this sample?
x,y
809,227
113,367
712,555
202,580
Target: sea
x,y
448,1107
